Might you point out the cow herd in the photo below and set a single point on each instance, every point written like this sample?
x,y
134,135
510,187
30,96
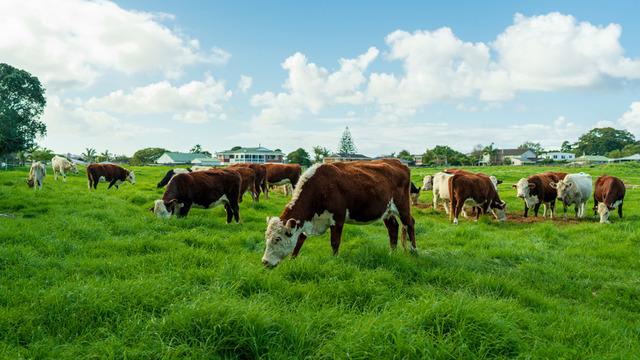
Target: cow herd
x,y
327,196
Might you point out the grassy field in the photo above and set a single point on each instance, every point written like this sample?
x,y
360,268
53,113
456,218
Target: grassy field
x,y
96,275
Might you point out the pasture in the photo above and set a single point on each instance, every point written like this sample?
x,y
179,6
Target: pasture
x,y
95,274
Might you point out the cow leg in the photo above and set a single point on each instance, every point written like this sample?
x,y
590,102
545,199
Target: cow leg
x,y
620,210
392,228
526,210
552,208
536,209
564,207
55,175
236,212
409,228
595,205
447,206
265,189
113,182
455,211
336,236
229,211
184,210
299,243
435,201
64,176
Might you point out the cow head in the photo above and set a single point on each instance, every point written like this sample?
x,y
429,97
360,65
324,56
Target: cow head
x,y
603,211
523,188
74,168
164,210
566,190
280,239
498,208
131,177
427,183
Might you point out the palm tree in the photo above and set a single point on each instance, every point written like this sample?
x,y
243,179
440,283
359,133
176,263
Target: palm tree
x,y
22,157
105,155
89,155
492,152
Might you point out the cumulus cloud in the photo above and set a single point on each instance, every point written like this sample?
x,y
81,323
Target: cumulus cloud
x,y
244,84
310,88
630,120
195,102
74,42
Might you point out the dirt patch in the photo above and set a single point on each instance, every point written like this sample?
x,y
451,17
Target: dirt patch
x,y
531,219
423,206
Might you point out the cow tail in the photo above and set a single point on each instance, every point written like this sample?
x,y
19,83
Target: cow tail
x,y
450,187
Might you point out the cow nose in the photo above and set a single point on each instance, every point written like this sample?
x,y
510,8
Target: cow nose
x,y
265,263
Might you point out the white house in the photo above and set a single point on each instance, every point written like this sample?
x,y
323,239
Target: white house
x,y
257,155
558,156
516,156
174,158
634,157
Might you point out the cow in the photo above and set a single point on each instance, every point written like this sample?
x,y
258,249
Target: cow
x,y
439,183
60,165
171,173
248,181
574,189
282,174
608,195
113,174
536,190
415,194
478,189
37,173
205,188
261,177
329,195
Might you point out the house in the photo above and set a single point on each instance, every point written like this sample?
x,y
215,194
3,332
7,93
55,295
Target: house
x,y
207,161
174,158
634,157
417,159
345,157
256,155
517,157
559,156
591,159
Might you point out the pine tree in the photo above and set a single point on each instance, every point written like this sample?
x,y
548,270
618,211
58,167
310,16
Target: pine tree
x,y
347,147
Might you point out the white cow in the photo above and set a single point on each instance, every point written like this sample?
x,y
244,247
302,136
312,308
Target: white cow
x,y
60,165
37,174
439,183
575,189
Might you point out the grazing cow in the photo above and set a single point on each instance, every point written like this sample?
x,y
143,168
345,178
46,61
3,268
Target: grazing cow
x,y
60,165
261,177
248,177
415,194
330,195
536,190
205,188
574,189
439,183
111,173
171,173
477,189
37,174
608,195
282,174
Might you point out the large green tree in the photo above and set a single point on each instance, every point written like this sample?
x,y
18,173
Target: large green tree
x,y
299,156
146,156
443,156
22,102
347,145
601,141
319,153
530,145
406,155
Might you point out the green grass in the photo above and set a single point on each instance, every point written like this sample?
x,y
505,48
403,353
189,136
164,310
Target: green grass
x,y
96,275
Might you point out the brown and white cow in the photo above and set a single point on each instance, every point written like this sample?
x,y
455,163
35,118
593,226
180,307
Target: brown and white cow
x,y
477,189
205,188
286,175
60,165
37,173
261,176
248,177
608,195
329,195
537,190
113,174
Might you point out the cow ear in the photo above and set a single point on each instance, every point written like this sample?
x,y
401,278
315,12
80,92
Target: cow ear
x,y
532,186
553,185
515,186
498,182
268,218
290,225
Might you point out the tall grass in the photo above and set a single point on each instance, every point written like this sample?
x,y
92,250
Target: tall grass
x,y
95,274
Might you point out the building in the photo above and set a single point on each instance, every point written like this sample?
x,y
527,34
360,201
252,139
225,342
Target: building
x,y
591,159
345,157
559,156
256,155
517,157
175,158
634,157
208,161
417,159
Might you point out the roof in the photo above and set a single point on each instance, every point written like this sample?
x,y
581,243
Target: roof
x,y
348,156
634,157
512,152
593,158
245,150
206,159
184,157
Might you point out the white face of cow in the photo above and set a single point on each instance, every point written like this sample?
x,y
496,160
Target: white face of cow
x,y
131,178
499,211
161,210
523,188
566,190
603,211
74,168
427,183
280,239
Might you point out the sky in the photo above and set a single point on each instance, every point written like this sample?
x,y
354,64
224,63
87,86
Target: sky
x,y
124,75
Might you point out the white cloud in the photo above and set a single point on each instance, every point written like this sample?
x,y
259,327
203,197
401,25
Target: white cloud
x,y
244,84
630,120
195,102
310,88
73,42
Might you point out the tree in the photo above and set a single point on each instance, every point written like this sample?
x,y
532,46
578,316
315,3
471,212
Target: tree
x,y
89,155
347,147
601,141
22,103
530,145
492,152
105,156
42,154
406,155
319,153
443,156
146,156
299,156
628,150
236,148
566,146
196,149
122,159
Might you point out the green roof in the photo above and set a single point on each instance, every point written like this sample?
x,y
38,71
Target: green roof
x,y
184,157
244,150
592,158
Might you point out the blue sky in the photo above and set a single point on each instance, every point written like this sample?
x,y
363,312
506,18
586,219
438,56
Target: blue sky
x,y
133,74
